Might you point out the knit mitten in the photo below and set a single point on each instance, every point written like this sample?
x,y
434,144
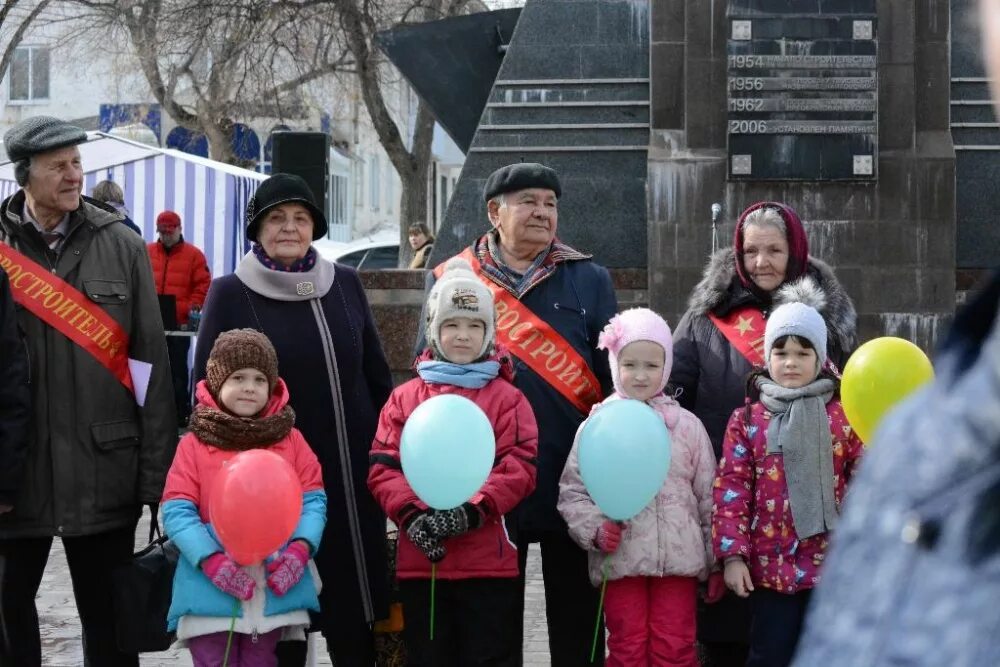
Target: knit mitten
x,y
227,576
421,537
286,570
449,523
608,537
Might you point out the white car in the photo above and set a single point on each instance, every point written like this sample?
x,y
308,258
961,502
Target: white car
x,y
378,251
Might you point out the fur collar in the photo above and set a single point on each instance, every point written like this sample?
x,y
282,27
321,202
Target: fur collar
x,y
720,291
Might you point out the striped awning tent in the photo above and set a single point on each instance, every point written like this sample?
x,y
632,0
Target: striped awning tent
x,y
210,197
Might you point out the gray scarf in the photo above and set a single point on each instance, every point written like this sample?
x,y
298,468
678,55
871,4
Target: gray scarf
x,y
284,286
800,431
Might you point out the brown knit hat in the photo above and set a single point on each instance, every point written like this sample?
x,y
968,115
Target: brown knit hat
x,y
236,349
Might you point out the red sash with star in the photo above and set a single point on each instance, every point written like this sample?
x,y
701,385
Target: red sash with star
x,y
744,329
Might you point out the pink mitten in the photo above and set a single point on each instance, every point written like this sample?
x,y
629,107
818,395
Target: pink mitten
x,y
286,570
609,536
227,576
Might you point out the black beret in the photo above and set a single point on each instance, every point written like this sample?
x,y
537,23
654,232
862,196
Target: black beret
x,y
521,176
39,134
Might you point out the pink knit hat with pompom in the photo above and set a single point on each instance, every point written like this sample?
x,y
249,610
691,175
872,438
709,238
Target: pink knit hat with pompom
x,y
629,326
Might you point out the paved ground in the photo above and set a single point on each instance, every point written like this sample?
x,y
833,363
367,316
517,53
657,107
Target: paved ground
x,y
60,626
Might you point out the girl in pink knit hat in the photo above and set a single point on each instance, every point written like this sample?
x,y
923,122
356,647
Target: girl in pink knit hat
x,y
656,559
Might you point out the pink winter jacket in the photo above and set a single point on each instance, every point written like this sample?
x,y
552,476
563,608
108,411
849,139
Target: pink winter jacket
x,y
752,516
672,535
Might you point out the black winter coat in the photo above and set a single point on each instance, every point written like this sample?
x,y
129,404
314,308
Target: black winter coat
x,y
712,375
15,397
365,382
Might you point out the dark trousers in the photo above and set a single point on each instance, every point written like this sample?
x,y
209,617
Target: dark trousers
x,y
91,559
723,654
777,624
347,646
474,623
570,599
177,349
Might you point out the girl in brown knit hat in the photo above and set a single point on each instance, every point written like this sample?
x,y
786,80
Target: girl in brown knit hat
x,y
243,404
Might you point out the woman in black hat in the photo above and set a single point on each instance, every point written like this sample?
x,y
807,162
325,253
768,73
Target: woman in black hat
x,y
317,316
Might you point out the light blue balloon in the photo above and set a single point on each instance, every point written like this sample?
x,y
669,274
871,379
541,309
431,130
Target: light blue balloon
x,y
447,450
624,456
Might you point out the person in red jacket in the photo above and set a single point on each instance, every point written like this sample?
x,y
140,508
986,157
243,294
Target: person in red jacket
x,y
478,593
179,270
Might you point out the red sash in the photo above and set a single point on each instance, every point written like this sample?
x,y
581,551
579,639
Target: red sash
x,y
537,344
744,329
60,305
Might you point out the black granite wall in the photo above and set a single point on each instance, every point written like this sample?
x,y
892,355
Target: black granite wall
x,y
572,93
892,241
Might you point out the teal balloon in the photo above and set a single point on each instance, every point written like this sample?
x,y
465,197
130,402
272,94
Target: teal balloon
x,y
447,450
624,457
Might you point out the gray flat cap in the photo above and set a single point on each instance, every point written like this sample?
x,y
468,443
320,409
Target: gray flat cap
x,y
39,134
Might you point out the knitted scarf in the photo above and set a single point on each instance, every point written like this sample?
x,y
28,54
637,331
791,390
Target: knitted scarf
x,y
227,431
471,376
799,430
298,266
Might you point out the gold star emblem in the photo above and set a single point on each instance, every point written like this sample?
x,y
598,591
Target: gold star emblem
x,y
744,324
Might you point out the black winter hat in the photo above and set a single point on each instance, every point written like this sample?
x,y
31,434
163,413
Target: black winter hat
x,y
521,176
283,189
39,134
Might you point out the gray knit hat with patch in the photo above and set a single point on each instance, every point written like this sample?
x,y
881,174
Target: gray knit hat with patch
x,y
459,293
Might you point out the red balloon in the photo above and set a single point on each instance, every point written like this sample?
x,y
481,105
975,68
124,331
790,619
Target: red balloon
x,y
255,505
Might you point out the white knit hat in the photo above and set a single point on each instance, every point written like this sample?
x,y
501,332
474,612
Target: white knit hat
x,y
796,319
459,293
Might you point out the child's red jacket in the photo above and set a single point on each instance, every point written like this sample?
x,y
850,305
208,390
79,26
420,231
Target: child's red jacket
x,y
487,551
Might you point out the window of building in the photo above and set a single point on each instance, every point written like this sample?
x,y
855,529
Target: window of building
x,y
29,74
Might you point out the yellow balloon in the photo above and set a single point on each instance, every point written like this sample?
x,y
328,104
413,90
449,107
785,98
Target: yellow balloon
x,y
877,377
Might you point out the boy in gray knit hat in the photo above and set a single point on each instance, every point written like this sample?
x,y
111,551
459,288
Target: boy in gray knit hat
x,y
468,547
798,435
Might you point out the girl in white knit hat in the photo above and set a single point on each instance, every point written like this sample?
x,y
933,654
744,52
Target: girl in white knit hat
x,y
786,461
656,559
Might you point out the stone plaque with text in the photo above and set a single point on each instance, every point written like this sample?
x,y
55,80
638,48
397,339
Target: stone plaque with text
x,y
803,90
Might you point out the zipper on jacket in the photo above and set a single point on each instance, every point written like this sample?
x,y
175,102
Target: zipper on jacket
x,y
166,266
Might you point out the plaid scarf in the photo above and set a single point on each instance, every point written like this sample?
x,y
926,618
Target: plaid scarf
x,y
487,250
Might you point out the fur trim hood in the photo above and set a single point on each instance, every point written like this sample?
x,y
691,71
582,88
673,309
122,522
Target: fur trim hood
x,y
719,291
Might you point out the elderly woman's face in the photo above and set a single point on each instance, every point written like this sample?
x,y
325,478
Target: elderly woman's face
x,y
765,256
286,233
989,19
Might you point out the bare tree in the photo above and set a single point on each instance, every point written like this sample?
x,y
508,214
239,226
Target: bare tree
x,y
211,64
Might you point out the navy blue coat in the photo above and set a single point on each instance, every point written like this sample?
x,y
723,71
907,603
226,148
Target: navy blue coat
x,y
576,300
366,383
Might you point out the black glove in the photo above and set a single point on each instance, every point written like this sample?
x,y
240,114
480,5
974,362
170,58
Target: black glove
x,y
421,537
449,523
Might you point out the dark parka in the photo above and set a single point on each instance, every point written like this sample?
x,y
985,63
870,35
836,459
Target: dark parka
x,y
15,397
94,456
711,375
576,300
365,382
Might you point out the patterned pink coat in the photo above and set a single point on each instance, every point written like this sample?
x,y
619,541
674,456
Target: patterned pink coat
x,y
752,517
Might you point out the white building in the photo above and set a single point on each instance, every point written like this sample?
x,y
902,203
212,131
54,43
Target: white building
x,y
58,71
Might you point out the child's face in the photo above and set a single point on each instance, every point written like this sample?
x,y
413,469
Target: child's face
x,y
793,366
462,339
640,369
245,392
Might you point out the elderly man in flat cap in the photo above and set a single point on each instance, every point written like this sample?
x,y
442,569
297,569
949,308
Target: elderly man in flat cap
x,y
101,437
551,302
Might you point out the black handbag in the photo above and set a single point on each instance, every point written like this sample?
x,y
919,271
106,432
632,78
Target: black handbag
x,y
142,590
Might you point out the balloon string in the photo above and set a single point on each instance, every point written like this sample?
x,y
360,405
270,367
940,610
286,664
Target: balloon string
x,y
232,626
433,581
600,607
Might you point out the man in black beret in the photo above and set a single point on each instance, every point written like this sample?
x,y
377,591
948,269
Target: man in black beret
x,y
551,303
100,439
